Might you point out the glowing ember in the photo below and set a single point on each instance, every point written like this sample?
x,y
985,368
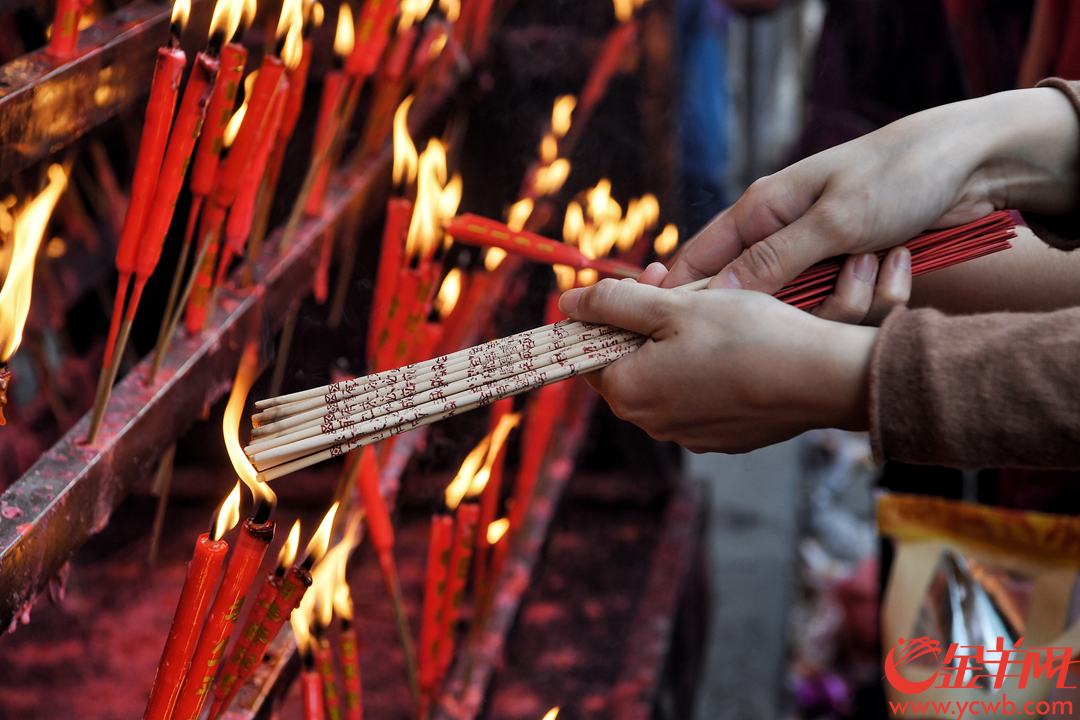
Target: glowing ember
x,y
230,427
667,241
345,37
227,16
405,157
496,530
287,556
565,277
494,258
560,114
180,12
228,515
519,214
316,547
448,295
28,232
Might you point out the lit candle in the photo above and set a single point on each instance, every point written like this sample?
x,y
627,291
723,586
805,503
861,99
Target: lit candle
x,y
311,695
372,37
348,650
492,494
202,577
324,661
500,544
65,29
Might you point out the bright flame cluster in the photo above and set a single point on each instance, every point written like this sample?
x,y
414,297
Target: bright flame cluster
x,y
476,469
28,231
412,12
553,170
436,201
237,118
600,226
667,241
345,37
329,591
229,15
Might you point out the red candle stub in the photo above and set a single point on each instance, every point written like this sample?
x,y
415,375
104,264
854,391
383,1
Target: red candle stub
x,y
438,563
202,576
395,230
349,652
224,613
324,661
311,695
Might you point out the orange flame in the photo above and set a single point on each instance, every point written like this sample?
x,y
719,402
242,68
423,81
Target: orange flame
x,y
560,114
325,576
666,242
573,224
493,258
247,13
431,208
316,547
449,292
498,438
290,26
405,157
496,530
549,149
412,11
180,13
550,179
227,16
228,515
287,556
230,426
28,232
343,604
650,210
565,277
317,14
476,469
552,713
624,10
238,117
587,277
451,9
519,214
345,38
301,625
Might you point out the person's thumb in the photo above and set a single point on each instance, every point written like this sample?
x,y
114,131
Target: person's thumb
x,y
772,263
624,304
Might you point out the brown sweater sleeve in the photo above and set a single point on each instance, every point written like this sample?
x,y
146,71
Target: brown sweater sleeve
x,y
979,391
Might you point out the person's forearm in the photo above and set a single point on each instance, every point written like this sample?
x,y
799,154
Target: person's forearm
x,y
1030,277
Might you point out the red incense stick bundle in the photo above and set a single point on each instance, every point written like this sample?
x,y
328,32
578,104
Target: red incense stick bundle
x,y
384,304
348,651
202,577
242,569
438,564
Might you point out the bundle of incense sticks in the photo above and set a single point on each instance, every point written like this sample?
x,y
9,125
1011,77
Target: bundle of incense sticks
x,y
298,430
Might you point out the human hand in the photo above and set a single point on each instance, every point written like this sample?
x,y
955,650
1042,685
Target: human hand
x,y
938,168
724,370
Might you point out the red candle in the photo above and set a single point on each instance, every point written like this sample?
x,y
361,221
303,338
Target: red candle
x,y
489,498
325,128
324,661
372,37
498,558
480,28
543,416
297,85
243,148
348,651
376,516
242,214
202,577
605,65
210,234
155,137
65,30
242,569
205,168
311,690
383,305
393,340
438,563
467,516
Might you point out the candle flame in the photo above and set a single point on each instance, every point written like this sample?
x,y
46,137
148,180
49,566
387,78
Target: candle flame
x,y
345,37
493,258
624,10
450,198
497,439
587,277
462,483
551,178
291,26
650,210
230,426
549,149
666,241
552,713
318,14
28,232
573,224
228,515
318,602
412,11
496,530
180,13
301,627
560,114
597,229
287,556
565,277
226,19
449,292
437,45
237,119
451,9
405,157
425,229
316,547
519,214
343,604
247,14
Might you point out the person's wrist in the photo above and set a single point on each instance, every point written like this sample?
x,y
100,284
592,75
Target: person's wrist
x,y
843,393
